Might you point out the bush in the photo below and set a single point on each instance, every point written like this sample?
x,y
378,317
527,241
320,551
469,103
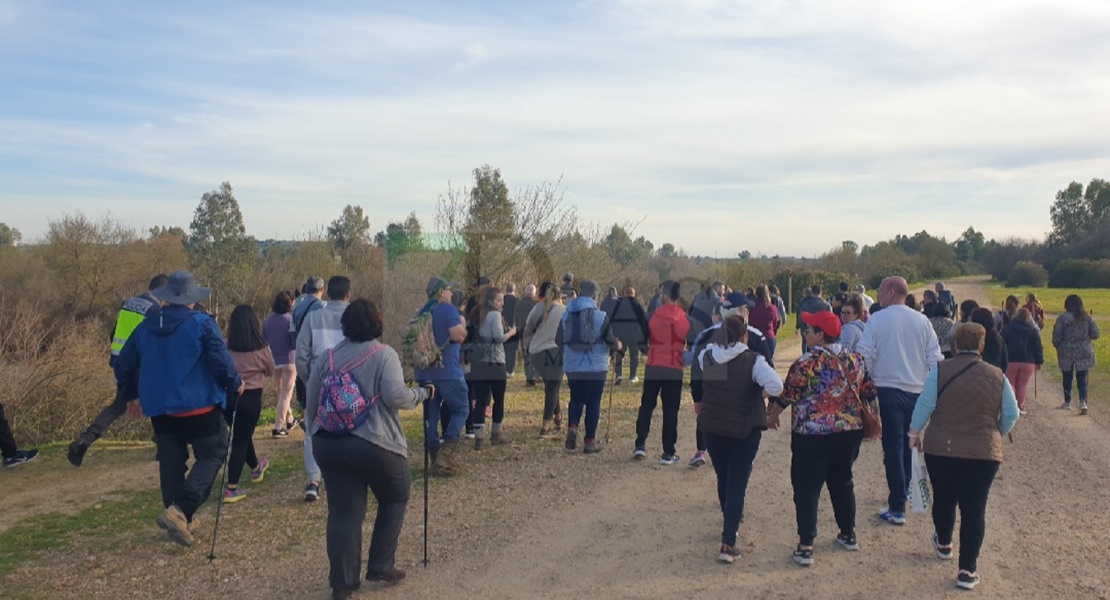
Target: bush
x,y
1080,273
1027,273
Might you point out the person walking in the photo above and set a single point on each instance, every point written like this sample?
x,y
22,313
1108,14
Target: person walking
x,y
899,347
851,322
523,308
1026,353
703,308
1071,336
541,345
310,300
319,332
487,365
942,326
828,387
254,362
275,330
668,329
968,406
1009,310
446,378
131,313
631,327
765,317
994,349
179,368
1036,310
587,340
732,416
812,303
508,313
373,456
13,456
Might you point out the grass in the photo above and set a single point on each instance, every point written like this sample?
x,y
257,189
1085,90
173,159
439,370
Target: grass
x,y
1095,300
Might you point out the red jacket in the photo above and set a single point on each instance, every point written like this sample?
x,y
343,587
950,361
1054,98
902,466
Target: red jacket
x,y
668,328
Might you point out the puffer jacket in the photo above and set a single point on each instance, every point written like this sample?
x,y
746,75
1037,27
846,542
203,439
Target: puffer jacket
x,y
1023,342
586,337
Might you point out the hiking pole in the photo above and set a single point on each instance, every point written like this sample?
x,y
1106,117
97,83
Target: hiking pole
x,y
223,481
427,463
609,412
1035,369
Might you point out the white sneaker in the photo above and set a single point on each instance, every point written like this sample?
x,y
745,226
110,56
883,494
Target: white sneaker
x,y
698,460
669,459
634,380
1065,406
639,453
1083,408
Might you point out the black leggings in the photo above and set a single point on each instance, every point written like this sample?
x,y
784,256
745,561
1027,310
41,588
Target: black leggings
x,y
549,366
484,389
966,483
248,406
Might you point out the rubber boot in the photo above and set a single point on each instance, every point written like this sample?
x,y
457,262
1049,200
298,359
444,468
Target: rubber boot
x,y
445,464
495,438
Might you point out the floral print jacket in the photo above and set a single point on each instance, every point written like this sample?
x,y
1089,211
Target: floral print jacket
x,y
823,385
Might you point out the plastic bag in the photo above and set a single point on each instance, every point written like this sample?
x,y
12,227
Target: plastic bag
x,y
919,483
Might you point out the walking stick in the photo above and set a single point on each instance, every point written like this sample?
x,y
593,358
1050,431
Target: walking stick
x,y
427,463
223,482
609,412
1035,382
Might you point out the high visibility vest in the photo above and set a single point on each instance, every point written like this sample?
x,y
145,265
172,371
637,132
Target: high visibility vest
x,y
130,315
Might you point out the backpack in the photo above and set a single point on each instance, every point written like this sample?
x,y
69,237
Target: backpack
x,y
342,406
946,298
420,348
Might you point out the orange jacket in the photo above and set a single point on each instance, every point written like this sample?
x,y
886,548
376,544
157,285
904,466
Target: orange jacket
x,y
668,328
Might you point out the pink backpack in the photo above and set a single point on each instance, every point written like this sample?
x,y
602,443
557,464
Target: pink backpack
x,y
343,407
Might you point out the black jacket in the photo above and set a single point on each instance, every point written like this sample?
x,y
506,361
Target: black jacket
x,y
1023,342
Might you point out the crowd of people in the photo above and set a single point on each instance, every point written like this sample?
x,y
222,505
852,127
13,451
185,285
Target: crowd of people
x,y
911,364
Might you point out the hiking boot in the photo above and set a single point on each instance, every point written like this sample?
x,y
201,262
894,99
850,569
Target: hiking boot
x,y
444,464
803,556
259,473
728,554
77,452
698,460
967,580
943,552
591,447
639,453
571,442
391,576
669,459
848,541
176,525
233,495
20,457
312,492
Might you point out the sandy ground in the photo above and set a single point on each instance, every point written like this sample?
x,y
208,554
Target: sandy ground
x,y
531,521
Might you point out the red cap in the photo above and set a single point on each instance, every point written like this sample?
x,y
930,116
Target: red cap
x,y
824,320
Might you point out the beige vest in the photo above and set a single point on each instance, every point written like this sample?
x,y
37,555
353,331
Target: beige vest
x,y
965,422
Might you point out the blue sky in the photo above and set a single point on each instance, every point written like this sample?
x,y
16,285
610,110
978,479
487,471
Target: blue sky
x,y
775,127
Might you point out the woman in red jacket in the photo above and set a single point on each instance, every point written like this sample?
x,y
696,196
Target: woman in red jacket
x,y
663,376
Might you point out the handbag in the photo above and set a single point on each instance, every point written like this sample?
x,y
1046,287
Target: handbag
x,y
872,424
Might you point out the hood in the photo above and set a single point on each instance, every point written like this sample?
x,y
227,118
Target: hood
x,y
1026,325
581,304
669,313
170,319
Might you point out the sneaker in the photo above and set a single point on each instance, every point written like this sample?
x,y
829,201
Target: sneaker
x,y
803,556
469,434
20,457
279,433
1065,406
301,425
1083,408
894,518
618,380
634,380
291,423
176,525
233,495
728,554
943,552
76,453
668,459
698,460
639,453
967,580
571,442
848,541
257,475
393,575
1022,411
312,492
591,447
546,433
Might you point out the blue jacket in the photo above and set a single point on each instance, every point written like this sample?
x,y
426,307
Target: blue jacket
x,y
586,338
176,362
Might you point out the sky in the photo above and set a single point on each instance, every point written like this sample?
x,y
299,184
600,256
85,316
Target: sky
x,y
777,127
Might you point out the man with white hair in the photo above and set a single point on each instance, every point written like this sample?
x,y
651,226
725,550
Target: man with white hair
x,y
867,300
899,347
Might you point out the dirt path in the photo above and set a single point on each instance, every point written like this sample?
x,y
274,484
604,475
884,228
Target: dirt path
x,y
530,521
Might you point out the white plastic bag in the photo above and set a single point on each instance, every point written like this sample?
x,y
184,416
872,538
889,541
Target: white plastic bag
x,y
919,483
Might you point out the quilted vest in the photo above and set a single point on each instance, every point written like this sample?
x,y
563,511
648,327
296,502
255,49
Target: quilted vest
x,y
965,422
732,402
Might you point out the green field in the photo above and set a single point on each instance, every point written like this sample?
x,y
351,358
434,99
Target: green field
x,y
1095,300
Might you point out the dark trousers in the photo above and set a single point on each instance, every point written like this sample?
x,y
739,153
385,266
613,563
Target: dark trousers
x,y
696,391
896,409
1081,383
301,392
549,366
351,465
510,355
104,420
245,409
7,440
824,461
965,483
633,359
484,391
585,396
665,384
207,434
732,461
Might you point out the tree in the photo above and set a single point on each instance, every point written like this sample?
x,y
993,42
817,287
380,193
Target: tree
x,y
161,230
969,247
218,246
623,249
401,238
1071,215
744,255
9,236
350,229
667,250
91,259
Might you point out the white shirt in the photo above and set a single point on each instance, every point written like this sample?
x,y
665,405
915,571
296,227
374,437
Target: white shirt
x,y
899,347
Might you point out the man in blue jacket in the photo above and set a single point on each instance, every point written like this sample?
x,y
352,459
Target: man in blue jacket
x,y
178,365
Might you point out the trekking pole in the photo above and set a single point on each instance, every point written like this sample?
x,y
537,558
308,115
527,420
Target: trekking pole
x,y
223,482
1035,369
609,412
427,463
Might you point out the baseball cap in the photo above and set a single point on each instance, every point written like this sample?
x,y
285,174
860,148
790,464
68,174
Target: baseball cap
x,y
824,320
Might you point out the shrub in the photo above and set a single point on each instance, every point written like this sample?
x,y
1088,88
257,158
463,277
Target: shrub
x,y
1080,273
1027,273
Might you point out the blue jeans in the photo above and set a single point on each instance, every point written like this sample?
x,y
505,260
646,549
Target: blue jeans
x,y
453,395
896,409
1080,379
732,460
585,394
